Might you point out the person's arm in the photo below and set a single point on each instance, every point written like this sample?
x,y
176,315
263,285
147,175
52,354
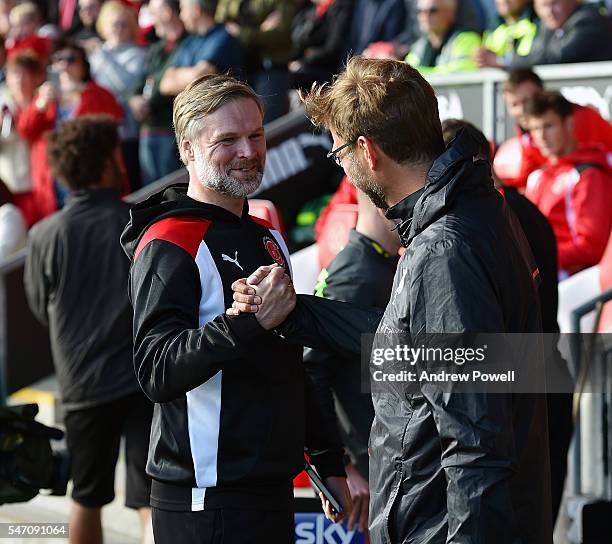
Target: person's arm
x,y
589,221
172,352
329,325
274,32
39,116
37,279
175,79
475,430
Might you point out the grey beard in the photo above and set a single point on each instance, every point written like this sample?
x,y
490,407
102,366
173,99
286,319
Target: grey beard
x,y
221,181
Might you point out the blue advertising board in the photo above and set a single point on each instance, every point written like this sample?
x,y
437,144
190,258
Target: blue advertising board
x,y
315,528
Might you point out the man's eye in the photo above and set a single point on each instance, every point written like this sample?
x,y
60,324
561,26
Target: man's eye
x,y
228,141
256,136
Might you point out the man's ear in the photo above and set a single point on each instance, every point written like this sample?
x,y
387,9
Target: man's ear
x,y
370,152
187,150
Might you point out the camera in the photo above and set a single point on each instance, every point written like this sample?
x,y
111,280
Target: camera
x,y
28,462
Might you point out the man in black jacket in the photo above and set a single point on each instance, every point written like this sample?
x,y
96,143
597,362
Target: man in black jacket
x,y
233,412
569,32
543,244
447,464
75,276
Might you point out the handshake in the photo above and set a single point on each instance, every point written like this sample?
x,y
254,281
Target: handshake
x,y
267,292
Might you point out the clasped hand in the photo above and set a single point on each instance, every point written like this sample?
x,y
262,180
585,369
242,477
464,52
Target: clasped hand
x,y
268,293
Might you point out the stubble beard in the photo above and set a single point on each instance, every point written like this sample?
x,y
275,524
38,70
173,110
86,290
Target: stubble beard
x,y
222,182
367,185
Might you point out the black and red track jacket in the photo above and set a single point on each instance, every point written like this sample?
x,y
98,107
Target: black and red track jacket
x,y
232,405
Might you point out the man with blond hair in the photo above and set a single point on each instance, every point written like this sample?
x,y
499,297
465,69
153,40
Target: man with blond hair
x,y
447,463
233,411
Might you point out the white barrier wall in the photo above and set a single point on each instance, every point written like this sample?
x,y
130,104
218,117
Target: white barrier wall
x,y
477,96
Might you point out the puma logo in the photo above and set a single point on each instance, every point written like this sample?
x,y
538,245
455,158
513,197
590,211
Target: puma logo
x,y
234,260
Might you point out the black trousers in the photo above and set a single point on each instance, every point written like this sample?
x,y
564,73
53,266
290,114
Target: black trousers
x,y
223,526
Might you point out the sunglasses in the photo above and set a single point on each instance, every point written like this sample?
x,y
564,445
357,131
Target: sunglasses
x,y
333,154
428,11
68,59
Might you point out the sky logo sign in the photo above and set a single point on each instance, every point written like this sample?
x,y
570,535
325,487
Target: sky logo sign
x,y
317,529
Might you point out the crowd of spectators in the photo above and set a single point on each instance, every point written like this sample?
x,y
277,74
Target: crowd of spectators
x,y
130,58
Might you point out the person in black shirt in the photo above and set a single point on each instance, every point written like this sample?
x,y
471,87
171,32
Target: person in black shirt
x,y
542,242
75,275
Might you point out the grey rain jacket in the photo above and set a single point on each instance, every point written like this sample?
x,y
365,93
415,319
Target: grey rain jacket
x,y
448,467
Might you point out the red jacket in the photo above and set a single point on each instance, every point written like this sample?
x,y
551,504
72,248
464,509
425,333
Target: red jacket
x,y
40,45
590,130
34,125
575,195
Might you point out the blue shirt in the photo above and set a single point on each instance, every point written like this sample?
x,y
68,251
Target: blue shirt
x,y
376,21
217,46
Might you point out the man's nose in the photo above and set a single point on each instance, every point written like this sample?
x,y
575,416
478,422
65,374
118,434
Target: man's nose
x,y
247,148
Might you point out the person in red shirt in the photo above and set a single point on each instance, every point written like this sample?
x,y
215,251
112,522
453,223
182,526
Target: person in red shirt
x,y
590,128
574,188
73,94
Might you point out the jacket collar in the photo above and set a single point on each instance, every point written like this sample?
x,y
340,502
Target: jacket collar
x,y
404,211
93,195
461,167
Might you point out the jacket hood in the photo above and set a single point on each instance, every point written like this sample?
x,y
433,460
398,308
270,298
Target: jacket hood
x,y
462,167
592,155
170,202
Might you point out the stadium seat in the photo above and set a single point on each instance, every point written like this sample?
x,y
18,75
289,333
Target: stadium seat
x,y
507,162
301,480
583,287
266,210
342,218
305,266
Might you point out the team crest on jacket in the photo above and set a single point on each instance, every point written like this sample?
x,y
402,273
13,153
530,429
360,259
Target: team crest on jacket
x,y
274,251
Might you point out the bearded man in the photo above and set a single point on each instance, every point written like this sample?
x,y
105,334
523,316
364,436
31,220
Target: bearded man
x,y
232,413
448,464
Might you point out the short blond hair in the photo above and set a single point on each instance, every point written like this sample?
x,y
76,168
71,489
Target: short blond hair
x,y
26,10
385,100
202,96
110,7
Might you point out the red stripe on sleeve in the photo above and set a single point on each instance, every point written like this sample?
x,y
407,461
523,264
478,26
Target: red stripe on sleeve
x,y
263,222
185,232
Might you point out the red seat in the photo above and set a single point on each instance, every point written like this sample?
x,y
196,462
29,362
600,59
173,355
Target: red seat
x,y
301,480
507,162
266,210
605,280
341,219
